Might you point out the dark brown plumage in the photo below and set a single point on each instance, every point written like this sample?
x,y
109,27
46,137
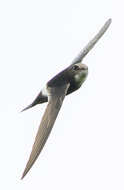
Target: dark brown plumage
x,y
66,82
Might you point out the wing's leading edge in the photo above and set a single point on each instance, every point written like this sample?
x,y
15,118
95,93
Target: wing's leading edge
x,y
91,44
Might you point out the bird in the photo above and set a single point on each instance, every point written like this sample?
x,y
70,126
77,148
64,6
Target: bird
x,y
54,92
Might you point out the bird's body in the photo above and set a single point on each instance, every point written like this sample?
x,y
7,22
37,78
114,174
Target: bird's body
x,y
74,81
54,92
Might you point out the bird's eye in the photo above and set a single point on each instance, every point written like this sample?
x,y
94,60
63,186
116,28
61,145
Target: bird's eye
x,y
76,67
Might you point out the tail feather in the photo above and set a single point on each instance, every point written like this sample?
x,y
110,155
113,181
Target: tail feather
x,y
38,100
28,107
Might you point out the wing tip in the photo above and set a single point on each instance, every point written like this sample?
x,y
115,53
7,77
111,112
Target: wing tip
x,y
22,177
24,174
108,22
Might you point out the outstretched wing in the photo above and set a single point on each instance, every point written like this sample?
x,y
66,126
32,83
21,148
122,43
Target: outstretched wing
x,y
56,97
91,44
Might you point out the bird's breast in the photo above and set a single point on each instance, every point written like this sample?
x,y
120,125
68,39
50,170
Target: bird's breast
x,y
76,82
80,78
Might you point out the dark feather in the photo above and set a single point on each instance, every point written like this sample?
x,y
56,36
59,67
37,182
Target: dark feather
x,y
56,97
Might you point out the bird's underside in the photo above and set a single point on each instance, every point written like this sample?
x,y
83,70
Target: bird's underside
x,y
55,93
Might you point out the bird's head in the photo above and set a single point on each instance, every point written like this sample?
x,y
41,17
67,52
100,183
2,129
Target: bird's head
x,y
78,72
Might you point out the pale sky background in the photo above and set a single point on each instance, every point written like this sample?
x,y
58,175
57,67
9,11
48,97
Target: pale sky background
x,y
85,150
